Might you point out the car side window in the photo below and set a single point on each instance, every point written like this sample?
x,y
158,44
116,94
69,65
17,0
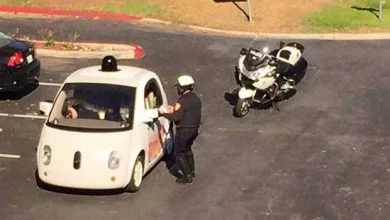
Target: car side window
x,y
153,97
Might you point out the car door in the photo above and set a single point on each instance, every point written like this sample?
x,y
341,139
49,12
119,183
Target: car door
x,y
156,130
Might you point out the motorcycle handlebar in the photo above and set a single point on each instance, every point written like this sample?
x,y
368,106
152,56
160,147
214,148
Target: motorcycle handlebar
x,y
243,51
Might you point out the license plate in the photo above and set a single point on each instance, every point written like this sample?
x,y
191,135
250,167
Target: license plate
x,y
29,58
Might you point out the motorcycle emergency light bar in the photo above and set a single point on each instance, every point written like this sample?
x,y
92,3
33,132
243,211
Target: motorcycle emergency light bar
x,y
256,53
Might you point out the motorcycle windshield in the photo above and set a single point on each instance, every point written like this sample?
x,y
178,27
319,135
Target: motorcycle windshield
x,y
254,62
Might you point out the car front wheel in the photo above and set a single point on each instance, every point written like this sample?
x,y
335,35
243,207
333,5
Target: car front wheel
x,y
136,176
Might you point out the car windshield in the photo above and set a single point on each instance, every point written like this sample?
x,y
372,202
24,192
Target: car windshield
x,y
4,39
93,106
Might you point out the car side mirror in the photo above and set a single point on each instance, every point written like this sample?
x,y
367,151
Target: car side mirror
x,y
45,107
149,115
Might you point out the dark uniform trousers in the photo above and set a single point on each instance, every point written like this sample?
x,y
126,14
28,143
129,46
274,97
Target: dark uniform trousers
x,y
184,138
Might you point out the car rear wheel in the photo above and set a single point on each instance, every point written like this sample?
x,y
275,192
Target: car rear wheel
x,y
136,176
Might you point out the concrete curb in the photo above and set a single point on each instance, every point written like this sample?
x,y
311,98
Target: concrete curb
x,y
326,36
319,36
94,51
12,10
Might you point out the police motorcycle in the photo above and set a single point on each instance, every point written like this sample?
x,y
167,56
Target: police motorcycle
x,y
265,77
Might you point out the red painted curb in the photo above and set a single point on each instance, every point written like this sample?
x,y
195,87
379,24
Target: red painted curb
x,y
69,13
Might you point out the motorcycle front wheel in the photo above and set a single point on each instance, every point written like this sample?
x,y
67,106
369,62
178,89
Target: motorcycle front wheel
x,y
242,107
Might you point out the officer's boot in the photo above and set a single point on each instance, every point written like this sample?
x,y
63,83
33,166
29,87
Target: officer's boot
x,y
191,163
185,169
174,170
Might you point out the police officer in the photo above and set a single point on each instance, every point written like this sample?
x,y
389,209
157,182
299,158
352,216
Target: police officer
x,y
187,117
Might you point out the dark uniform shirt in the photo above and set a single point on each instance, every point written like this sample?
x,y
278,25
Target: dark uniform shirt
x,y
187,112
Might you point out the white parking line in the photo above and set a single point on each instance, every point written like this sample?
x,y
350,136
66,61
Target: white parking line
x,y
22,116
49,84
13,156
31,116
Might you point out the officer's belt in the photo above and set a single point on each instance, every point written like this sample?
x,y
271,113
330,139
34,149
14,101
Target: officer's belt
x,y
188,126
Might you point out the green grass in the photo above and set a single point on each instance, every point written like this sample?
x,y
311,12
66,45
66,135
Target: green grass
x,y
16,2
342,16
137,7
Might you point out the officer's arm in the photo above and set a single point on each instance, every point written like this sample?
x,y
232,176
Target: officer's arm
x,y
176,115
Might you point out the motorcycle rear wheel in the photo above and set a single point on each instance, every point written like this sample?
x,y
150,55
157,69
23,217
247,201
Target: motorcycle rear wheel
x,y
242,107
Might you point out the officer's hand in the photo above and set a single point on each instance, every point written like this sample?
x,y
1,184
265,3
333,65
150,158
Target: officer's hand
x,y
165,109
161,110
170,109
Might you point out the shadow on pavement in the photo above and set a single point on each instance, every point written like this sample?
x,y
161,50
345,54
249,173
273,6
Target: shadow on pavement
x,y
168,160
72,191
16,95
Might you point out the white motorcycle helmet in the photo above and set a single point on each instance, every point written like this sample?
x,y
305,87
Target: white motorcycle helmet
x,y
184,83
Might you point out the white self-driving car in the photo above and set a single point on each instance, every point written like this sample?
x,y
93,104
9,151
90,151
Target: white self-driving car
x,y
103,130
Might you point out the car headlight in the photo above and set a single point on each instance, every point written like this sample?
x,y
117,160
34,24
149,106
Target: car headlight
x,y
46,155
114,160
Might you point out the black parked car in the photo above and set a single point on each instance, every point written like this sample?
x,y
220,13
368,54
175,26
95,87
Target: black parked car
x,y
19,65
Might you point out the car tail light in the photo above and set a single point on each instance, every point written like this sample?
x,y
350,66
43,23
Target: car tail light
x,y
15,59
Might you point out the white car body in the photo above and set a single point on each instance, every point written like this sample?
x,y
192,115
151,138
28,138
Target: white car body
x,y
92,150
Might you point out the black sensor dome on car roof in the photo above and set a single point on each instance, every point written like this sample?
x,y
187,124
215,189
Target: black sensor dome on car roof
x,y
109,64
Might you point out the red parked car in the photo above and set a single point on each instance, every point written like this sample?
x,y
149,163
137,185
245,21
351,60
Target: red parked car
x,y
19,65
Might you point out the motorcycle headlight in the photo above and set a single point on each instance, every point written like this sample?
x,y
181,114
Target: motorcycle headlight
x,y
46,155
114,160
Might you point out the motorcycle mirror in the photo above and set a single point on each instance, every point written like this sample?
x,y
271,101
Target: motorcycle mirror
x,y
265,49
243,51
281,44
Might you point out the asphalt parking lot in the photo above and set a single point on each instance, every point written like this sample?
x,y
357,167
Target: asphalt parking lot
x,y
324,156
